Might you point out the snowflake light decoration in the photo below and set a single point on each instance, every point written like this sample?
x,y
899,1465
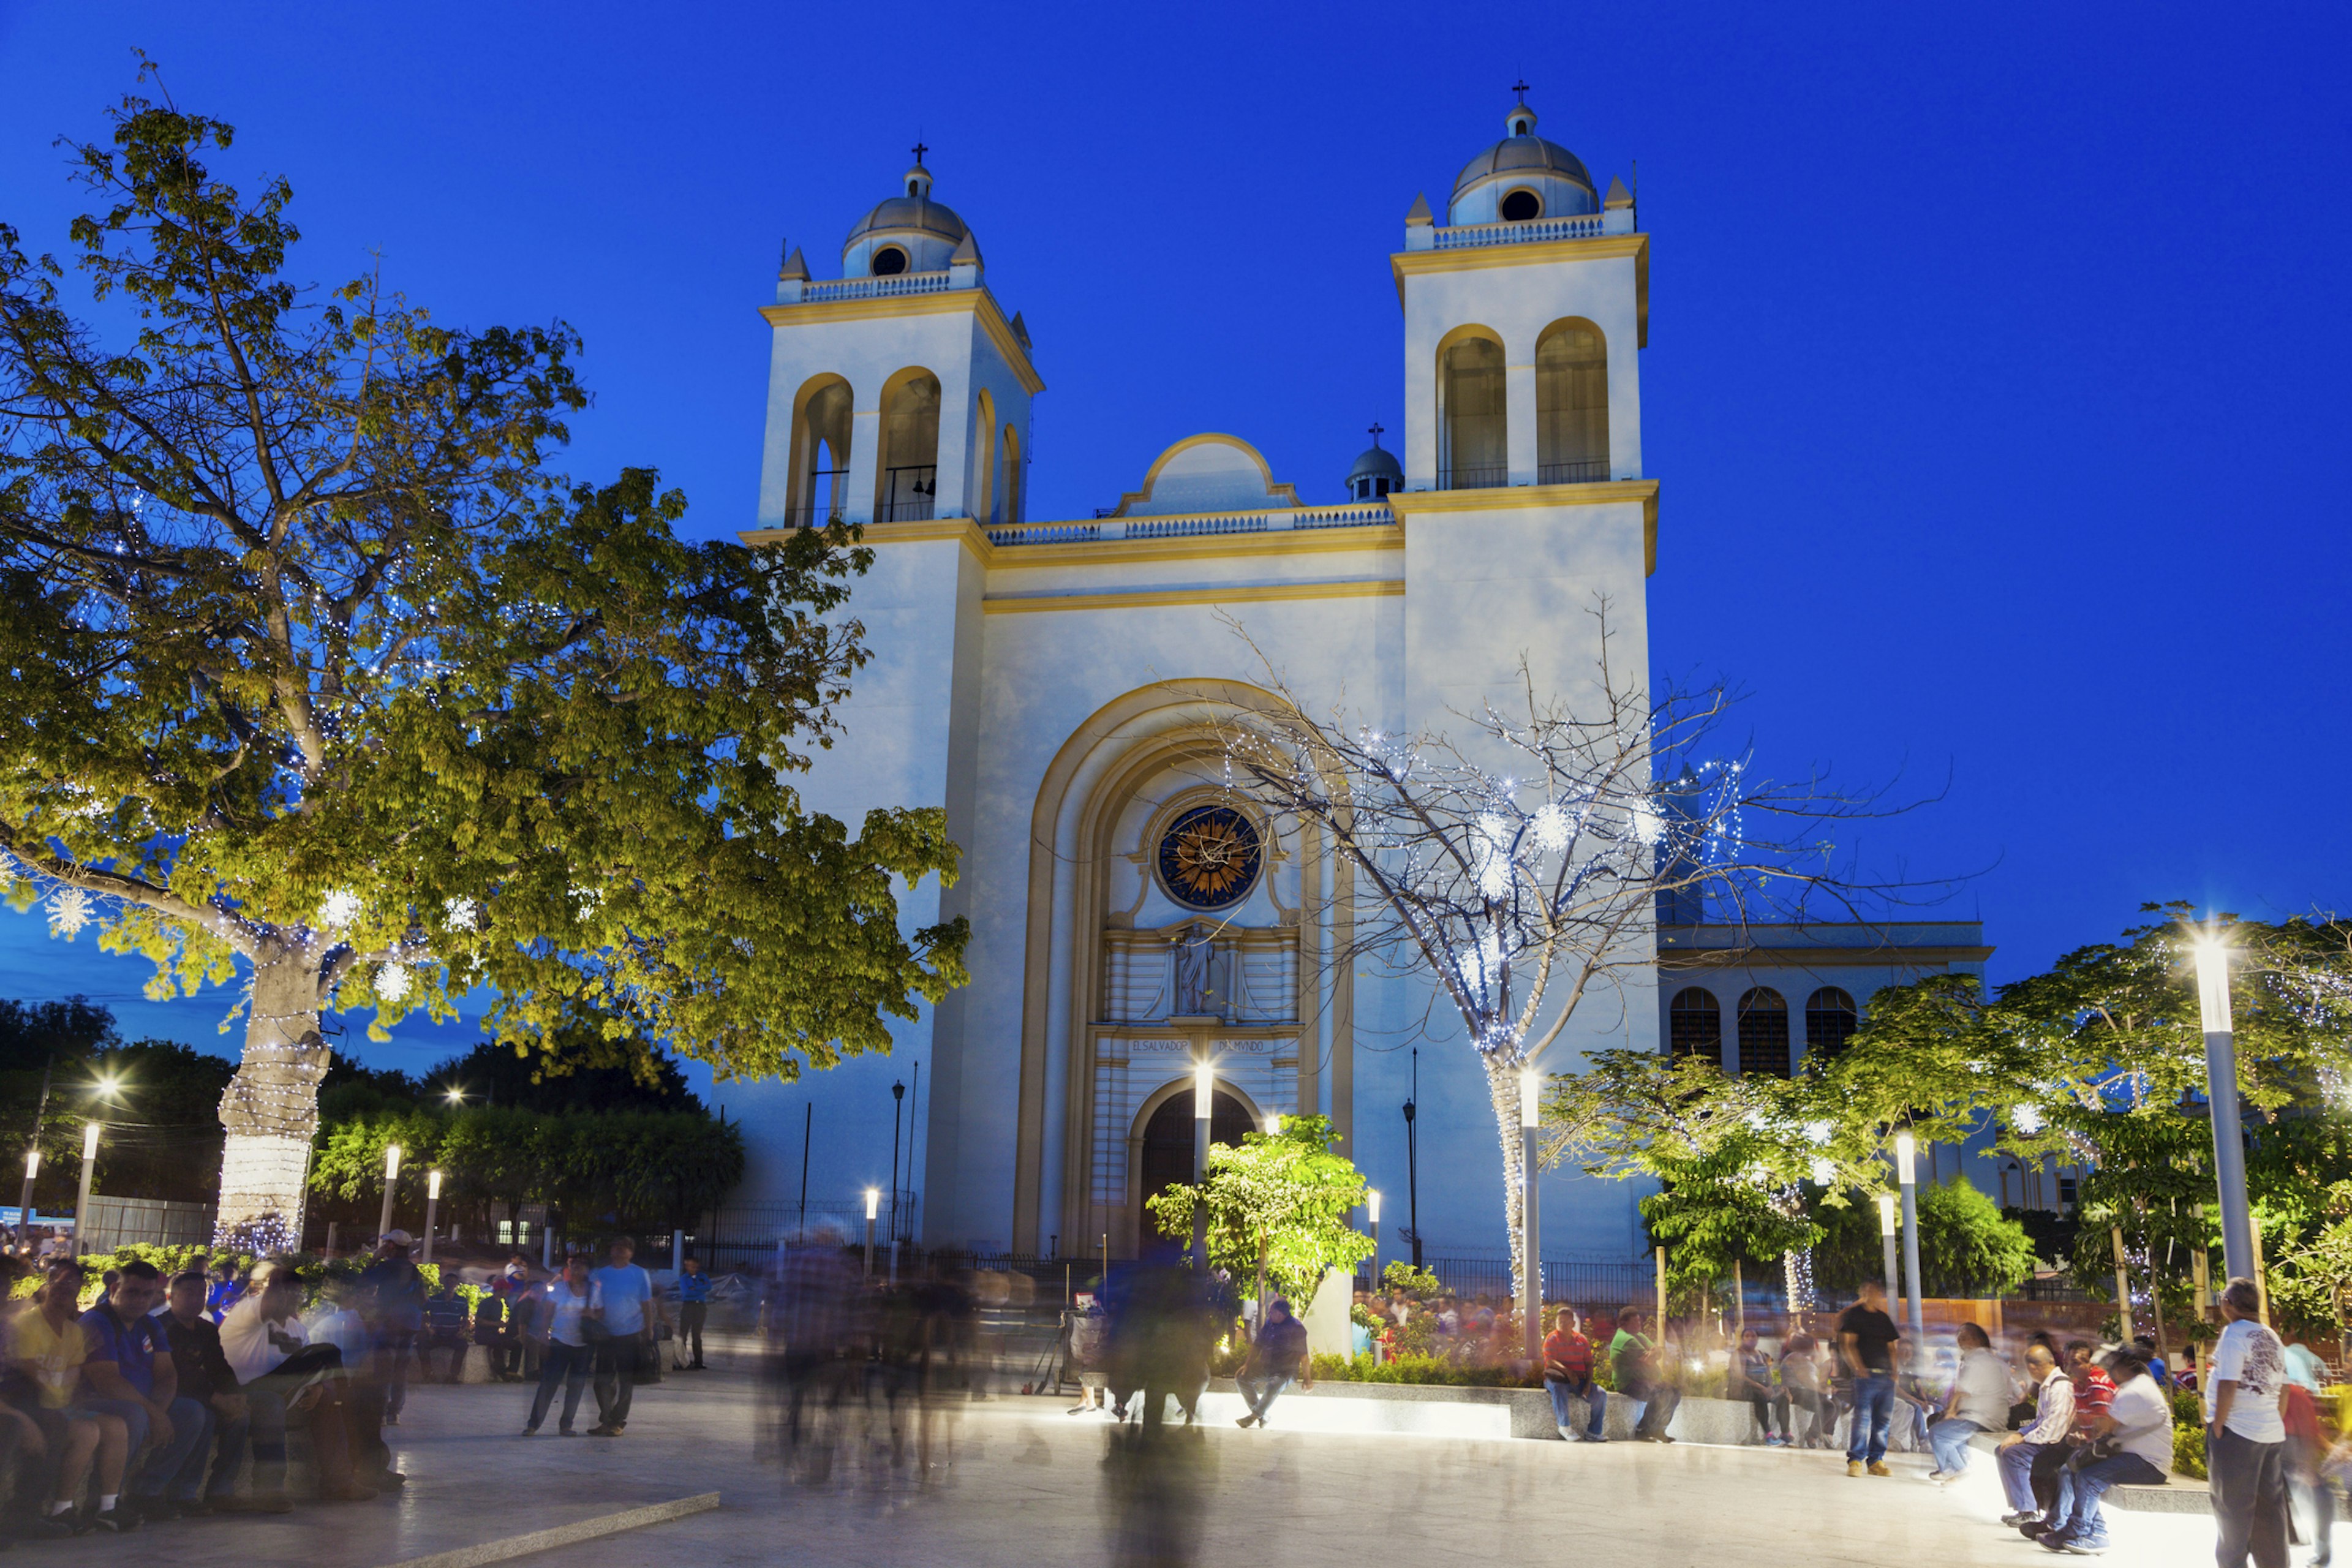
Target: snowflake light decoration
x,y
71,909
338,909
392,982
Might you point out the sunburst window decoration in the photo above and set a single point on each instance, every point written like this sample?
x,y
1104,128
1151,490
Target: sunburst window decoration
x,y
1210,858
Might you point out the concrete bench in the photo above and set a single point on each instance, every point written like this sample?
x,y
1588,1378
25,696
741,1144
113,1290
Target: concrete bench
x,y
2178,1494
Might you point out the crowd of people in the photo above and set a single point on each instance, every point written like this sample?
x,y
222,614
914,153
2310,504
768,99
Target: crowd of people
x,y
171,1398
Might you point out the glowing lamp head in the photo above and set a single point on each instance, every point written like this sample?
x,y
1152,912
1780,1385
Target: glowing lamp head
x,y
1907,1157
32,1163
872,1202
1372,1203
432,1185
2213,985
1530,1098
89,1140
109,1087
1204,1083
455,1097
1887,1214
391,1160
1273,1123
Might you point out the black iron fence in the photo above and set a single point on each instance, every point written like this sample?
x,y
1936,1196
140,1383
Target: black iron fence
x,y
1587,471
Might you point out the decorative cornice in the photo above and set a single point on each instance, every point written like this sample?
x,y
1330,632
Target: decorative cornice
x,y
1119,552
947,303
1531,253
1540,498
1686,958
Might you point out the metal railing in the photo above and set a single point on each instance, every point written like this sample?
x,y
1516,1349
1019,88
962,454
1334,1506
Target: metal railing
x,y
911,490
1463,237
877,287
1479,478
812,516
1590,471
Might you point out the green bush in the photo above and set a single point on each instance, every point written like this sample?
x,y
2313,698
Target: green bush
x,y
1431,1371
2188,1434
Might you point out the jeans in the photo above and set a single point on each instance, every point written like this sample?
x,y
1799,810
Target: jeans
x,y
2249,1482
2311,1498
2017,1463
1259,1390
1822,1408
228,1452
2079,1520
1658,1402
1596,1403
1873,1411
616,1376
567,1365
151,1470
1949,1439
690,1317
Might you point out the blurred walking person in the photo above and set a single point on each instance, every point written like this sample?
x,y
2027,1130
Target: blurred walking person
x,y
566,1359
693,1312
1866,1341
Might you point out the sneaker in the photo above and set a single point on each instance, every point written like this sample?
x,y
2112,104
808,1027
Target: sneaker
x,y
2085,1548
190,1507
1853,1466
603,1431
2021,1517
120,1518
565,1432
1935,1478
529,1432
1246,1420
1772,1442
1880,1469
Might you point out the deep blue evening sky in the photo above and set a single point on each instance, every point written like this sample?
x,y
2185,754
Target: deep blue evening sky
x,y
1997,368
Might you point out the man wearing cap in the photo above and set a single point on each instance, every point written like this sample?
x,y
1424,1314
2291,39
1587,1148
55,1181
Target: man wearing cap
x,y
1278,1357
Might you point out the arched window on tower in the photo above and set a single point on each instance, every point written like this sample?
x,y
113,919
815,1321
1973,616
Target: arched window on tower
x,y
822,442
1470,423
1694,1025
1572,404
911,448
1764,1032
983,489
1829,1021
1011,508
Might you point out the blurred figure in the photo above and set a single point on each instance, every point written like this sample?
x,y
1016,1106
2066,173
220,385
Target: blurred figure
x,y
566,1359
693,1312
448,1332
1277,1358
206,1376
810,1351
1089,1340
1808,1389
392,1300
623,1308
1866,1339
1750,1377
512,1358
1568,1375
269,1350
1982,1392
1638,1369
2022,1452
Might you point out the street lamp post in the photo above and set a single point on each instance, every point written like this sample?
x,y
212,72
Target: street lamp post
x,y
391,1176
1907,1173
1531,1242
2222,1099
432,1208
81,1203
25,1202
897,1104
873,1206
1203,1088
1886,1236
1373,1204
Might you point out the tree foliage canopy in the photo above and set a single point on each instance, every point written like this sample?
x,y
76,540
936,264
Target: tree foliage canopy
x,y
1286,1196
317,666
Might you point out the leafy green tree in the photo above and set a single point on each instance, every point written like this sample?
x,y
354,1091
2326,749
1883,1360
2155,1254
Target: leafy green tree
x,y
320,675
1281,1207
1966,1246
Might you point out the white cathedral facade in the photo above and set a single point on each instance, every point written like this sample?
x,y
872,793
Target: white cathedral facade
x,y
1054,685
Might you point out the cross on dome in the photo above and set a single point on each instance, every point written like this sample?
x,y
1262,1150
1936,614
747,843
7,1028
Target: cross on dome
x,y
919,149
1376,429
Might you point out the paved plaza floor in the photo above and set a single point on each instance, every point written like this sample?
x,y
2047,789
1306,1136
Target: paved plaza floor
x,y
1015,1480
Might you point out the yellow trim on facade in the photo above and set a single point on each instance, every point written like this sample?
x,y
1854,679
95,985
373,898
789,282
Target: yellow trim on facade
x,y
946,302
1536,498
1890,957
1237,593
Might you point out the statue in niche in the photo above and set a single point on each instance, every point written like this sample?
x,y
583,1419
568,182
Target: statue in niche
x,y
1196,972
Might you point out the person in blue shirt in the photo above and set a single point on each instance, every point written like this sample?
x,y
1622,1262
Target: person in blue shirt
x,y
693,1308
623,1308
131,1374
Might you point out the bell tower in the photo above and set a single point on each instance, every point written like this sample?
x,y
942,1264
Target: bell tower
x,y
897,393
1524,313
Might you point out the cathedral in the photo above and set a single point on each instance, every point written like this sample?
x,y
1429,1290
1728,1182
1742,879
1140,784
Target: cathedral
x,y
1055,684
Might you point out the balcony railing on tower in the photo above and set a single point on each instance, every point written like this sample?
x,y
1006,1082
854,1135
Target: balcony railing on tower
x,y
908,494
1587,471
1487,476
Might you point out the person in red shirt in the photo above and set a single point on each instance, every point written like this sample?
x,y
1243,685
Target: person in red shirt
x,y
2094,1389
1568,1375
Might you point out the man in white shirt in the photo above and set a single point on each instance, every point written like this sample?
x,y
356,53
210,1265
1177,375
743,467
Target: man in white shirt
x,y
1981,1396
2138,1428
278,1368
2245,1436
2054,1417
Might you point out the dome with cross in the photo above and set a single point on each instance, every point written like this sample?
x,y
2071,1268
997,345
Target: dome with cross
x,y
1377,472
910,233
1522,177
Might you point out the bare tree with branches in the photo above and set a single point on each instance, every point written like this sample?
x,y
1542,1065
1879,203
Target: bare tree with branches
x,y
1518,861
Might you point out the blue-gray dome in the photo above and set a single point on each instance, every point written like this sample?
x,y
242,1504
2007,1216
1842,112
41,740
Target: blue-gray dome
x,y
908,233
1378,462
1554,180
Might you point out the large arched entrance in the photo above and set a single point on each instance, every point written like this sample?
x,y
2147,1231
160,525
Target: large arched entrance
x,y
1167,1157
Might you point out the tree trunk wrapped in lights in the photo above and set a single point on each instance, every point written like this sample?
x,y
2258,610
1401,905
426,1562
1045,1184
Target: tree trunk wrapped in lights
x,y
1516,860
319,672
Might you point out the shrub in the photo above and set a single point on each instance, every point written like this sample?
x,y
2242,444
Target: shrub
x,y
1422,1370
